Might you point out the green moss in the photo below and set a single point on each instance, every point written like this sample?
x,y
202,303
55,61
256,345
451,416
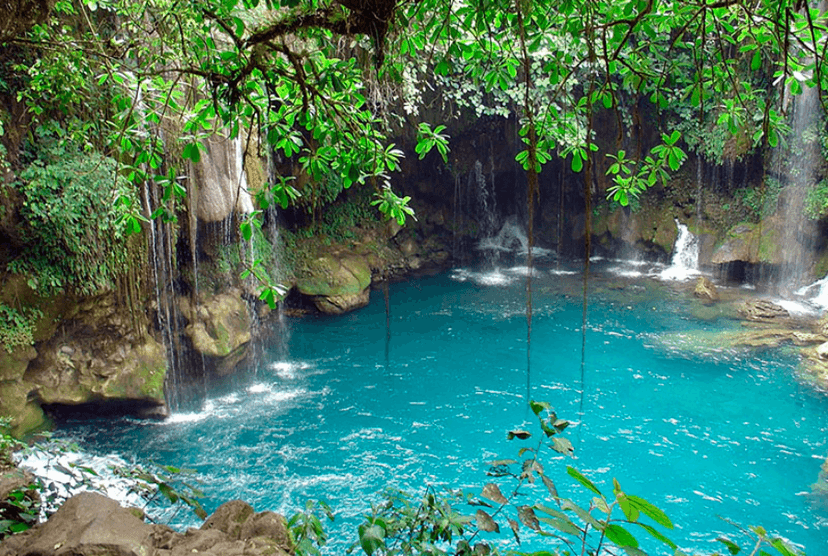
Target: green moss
x,y
24,415
769,245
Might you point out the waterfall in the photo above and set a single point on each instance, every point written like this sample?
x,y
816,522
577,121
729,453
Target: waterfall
x,y
685,261
486,210
797,230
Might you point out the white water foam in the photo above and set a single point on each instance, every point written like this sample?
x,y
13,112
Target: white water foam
x,y
287,370
65,472
816,294
492,278
511,238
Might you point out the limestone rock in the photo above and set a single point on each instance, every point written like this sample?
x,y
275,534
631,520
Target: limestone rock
x,y
705,289
87,524
822,350
219,325
751,243
806,338
220,180
229,518
336,283
17,404
98,370
90,524
762,309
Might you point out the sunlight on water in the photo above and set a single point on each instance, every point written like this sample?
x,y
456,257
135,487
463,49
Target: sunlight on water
x,y
700,429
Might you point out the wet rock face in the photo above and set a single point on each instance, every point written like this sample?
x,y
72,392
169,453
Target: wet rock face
x,y
97,357
90,524
221,181
337,283
762,310
705,290
220,328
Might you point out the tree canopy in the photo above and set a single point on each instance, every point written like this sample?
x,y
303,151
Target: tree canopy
x,y
323,82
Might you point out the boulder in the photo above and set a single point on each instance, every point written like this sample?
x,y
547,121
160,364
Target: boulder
x,y
103,354
762,310
220,180
219,324
336,283
84,369
705,289
90,524
822,350
751,243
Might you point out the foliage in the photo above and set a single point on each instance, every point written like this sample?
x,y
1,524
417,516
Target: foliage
x,y
306,529
816,203
761,203
71,219
17,327
159,490
163,482
616,523
20,510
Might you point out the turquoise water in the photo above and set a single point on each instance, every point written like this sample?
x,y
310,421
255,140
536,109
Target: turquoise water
x,y
339,408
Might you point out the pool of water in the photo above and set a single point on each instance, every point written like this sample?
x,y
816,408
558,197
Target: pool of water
x,y
338,408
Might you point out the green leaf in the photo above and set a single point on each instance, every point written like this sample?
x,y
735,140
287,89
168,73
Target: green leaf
x,y
756,61
732,547
656,534
577,162
575,474
191,152
650,511
620,536
371,538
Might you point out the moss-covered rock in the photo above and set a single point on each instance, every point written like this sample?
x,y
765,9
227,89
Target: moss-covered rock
x,y
16,403
336,282
78,371
219,324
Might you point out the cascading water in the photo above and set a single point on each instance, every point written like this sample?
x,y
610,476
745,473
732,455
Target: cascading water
x,y
798,170
685,261
486,210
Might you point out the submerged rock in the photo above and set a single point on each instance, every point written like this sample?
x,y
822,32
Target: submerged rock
x,y
762,310
705,289
90,524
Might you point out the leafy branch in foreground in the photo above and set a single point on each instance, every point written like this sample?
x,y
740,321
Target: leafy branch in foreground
x,y
608,524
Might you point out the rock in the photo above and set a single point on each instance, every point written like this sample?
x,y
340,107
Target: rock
x,y
87,524
806,338
219,325
229,518
16,403
409,247
751,243
220,180
135,373
90,524
822,350
762,309
336,283
705,289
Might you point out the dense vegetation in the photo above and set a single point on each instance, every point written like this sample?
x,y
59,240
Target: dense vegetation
x,y
109,98
324,84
